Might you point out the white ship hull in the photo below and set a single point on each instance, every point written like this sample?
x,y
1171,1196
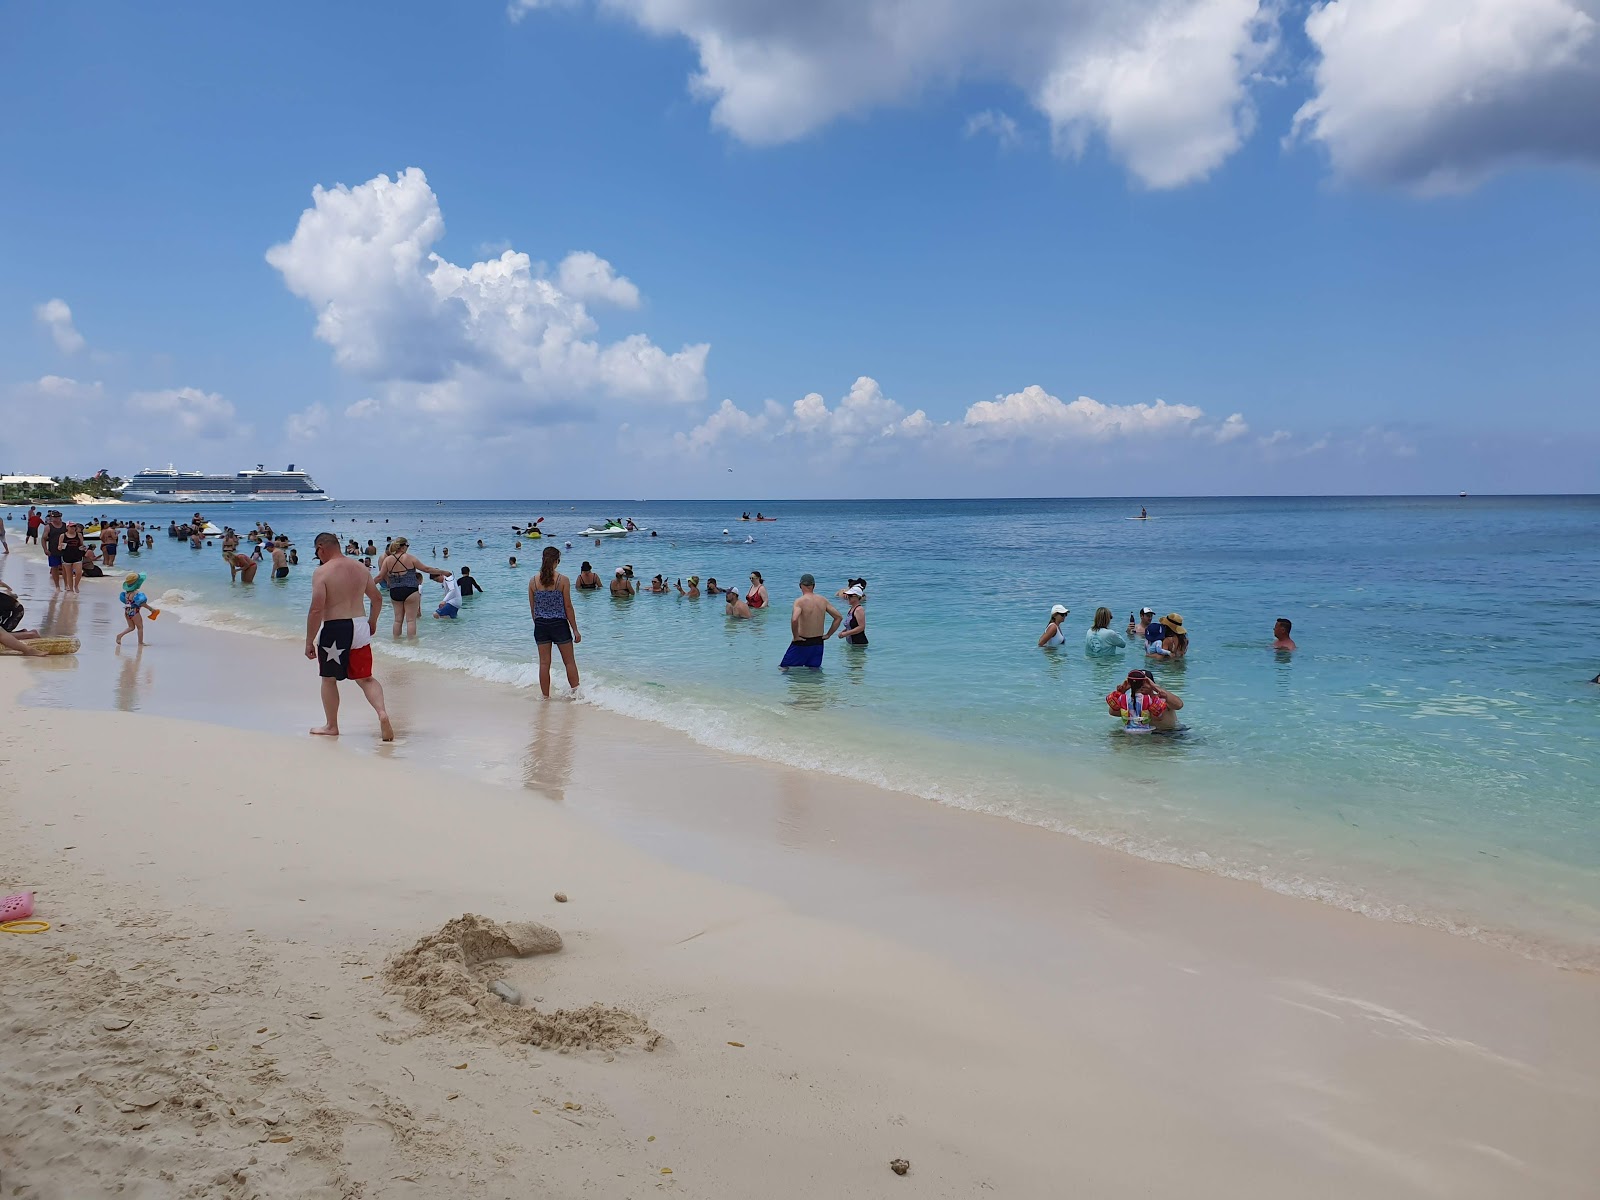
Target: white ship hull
x,y
201,497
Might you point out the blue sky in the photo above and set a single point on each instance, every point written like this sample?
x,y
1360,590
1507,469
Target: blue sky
x,y
844,249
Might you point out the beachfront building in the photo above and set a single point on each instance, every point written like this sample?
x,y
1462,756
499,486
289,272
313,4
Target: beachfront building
x,y
20,487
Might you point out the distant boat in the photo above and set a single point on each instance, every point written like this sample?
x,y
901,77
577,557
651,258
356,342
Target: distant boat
x,y
1463,495
194,487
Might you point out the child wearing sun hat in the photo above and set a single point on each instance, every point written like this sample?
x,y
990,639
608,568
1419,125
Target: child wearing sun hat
x,y
134,605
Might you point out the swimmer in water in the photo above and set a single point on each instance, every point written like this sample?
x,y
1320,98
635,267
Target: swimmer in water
x,y
1052,635
1141,702
1280,634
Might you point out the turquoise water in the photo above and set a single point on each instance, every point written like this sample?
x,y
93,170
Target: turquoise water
x,y
1429,754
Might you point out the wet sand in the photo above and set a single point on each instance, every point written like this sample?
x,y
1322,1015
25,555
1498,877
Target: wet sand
x,y
1004,1006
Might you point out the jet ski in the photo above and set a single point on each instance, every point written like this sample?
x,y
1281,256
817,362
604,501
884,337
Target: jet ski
x,y
609,529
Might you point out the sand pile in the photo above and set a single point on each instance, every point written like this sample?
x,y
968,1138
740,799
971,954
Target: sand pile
x,y
446,977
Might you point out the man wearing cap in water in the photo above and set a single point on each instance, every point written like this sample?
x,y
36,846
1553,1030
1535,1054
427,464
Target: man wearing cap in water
x,y
1137,625
805,627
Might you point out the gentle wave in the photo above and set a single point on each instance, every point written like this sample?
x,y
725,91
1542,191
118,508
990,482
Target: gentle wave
x,y
730,730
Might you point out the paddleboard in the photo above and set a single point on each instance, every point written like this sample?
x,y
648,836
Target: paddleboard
x,y
50,645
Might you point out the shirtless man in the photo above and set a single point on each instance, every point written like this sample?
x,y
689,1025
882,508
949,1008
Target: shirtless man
x,y
1280,634
280,558
805,627
339,633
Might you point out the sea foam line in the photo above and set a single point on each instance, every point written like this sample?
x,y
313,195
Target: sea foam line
x,y
723,730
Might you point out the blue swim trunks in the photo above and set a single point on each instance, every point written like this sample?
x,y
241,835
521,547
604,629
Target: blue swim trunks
x,y
804,652
447,610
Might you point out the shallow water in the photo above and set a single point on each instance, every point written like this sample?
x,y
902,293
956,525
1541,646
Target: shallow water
x,y
1430,752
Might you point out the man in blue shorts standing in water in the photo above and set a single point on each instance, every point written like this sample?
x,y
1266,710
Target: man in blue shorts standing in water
x,y
805,627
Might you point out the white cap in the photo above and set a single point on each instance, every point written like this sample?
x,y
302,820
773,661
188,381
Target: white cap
x,y
620,572
1151,611
1060,608
853,590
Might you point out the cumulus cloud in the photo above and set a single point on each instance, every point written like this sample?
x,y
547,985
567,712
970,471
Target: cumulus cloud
x,y
727,421
1431,94
864,416
1234,428
1002,126
56,316
363,409
1164,84
188,411
496,341
1438,94
307,425
590,278
1034,412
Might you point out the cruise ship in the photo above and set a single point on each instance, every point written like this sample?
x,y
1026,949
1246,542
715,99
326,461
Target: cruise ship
x,y
193,487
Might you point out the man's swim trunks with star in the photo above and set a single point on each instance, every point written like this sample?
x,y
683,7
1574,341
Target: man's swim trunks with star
x,y
344,650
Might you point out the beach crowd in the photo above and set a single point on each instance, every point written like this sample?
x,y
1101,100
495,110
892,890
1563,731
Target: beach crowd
x,y
352,579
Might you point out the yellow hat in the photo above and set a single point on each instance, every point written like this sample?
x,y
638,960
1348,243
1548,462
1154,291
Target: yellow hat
x,y
1174,624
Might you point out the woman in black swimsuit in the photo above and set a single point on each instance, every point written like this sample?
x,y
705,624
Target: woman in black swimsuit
x,y
588,581
401,571
855,626
72,556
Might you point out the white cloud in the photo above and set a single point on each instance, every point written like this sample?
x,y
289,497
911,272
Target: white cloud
x,y
363,409
864,414
517,9
59,387
1169,93
1438,94
495,343
992,121
590,278
56,316
727,421
1165,84
188,411
866,417
307,425
1232,429
1034,412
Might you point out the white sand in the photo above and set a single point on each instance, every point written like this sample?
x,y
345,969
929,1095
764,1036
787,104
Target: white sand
x,y
1014,1013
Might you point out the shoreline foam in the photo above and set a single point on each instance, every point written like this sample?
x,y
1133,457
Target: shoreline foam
x,y
1569,950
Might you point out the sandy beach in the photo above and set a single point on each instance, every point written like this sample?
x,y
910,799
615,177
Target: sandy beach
x,y
817,977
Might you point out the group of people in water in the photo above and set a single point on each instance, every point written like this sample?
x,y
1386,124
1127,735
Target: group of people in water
x,y
1139,701
75,552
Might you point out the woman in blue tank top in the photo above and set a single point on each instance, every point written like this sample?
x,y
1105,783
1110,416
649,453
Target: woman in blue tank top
x,y
554,621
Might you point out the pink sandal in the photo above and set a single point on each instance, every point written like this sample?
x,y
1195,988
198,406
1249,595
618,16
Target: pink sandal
x,y
16,908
